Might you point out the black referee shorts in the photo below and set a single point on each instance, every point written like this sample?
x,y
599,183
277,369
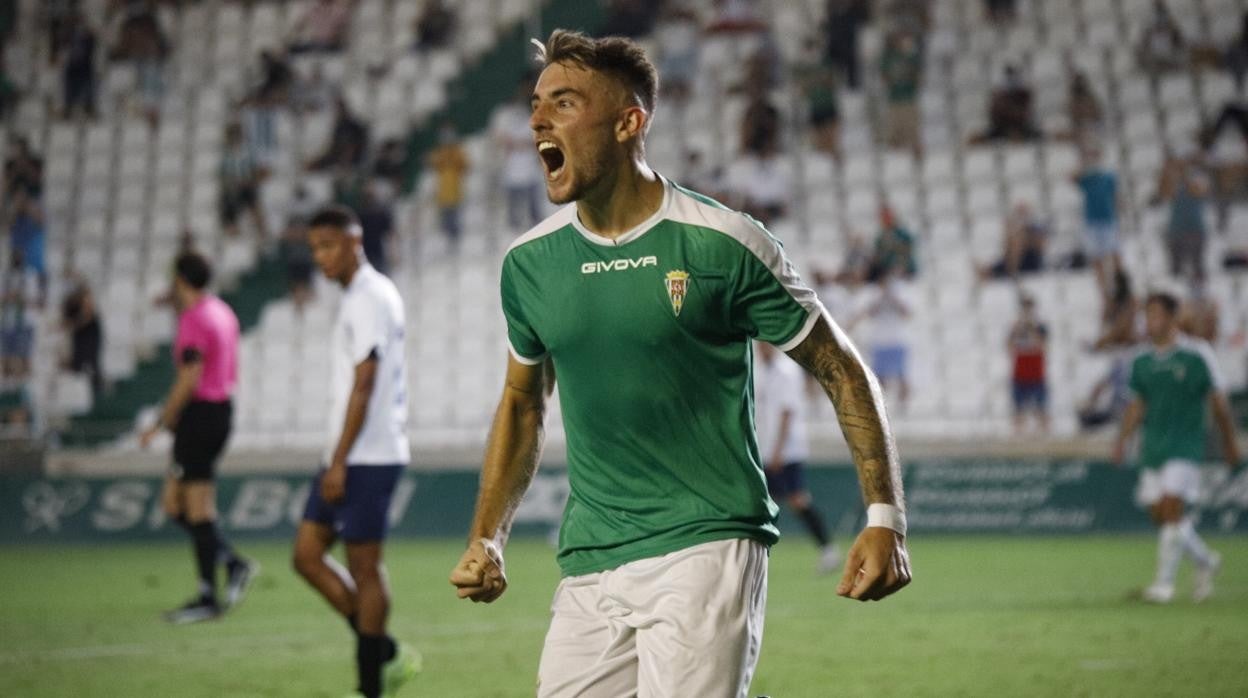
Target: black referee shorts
x,y
199,439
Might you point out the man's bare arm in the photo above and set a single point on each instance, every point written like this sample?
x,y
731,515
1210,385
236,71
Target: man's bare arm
x,y
364,380
878,563
1131,418
829,356
180,394
512,450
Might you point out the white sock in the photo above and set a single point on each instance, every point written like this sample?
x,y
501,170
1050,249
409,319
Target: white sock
x,y
1193,545
1169,553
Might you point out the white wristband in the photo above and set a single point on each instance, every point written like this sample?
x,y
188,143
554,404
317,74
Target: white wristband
x,y
886,516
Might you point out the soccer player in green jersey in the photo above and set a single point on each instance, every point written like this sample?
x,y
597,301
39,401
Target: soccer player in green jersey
x,y
642,298
1173,381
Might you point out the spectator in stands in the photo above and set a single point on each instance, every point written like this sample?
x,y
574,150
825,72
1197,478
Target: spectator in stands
x,y
449,163
277,78
1011,110
520,170
434,26
239,175
818,85
1199,315
323,28
1026,343
258,110
631,18
762,186
86,337
1236,55
1083,109
58,17
1185,186
737,17
678,46
23,171
348,142
856,264
901,67
17,415
765,66
913,17
1026,237
27,234
700,176
389,168
1233,114
19,307
142,42
377,224
78,70
887,312
894,249
313,94
9,94
1118,338
1001,11
294,249
1100,217
1162,47
844,20
1118,318
348,187
760,124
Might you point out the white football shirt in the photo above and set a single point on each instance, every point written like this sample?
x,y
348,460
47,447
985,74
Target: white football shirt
x,y
779,387
370,319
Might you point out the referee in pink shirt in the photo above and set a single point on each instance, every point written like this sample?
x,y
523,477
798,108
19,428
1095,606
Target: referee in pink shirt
x,y
199,411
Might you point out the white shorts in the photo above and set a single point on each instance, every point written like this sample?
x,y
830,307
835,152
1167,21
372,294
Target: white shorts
x,y
1175,478
689,623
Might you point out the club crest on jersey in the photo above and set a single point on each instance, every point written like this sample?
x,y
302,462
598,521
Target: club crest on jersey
x,y
677,283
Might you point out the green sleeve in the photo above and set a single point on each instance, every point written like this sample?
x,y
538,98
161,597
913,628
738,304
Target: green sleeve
x,y
769,301
1134,382
515,286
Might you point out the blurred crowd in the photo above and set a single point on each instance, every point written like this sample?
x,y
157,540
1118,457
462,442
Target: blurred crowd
x,y
1197,182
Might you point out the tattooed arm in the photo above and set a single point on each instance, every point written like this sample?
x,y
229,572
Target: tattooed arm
x,y
878,563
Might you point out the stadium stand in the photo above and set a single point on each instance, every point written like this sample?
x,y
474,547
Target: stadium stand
x,y
120,193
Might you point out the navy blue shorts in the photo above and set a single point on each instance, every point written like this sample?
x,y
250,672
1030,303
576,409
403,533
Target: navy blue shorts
x,y
1031,395
787,482
362,516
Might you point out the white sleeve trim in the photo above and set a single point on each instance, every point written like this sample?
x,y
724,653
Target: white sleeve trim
x,y
751,235
1205,350
524,359
816,312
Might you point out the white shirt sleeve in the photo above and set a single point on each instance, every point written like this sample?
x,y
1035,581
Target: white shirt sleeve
x,y
789,388
366,328
1216,383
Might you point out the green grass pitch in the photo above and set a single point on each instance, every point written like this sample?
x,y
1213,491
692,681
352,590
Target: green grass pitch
x,y
984,617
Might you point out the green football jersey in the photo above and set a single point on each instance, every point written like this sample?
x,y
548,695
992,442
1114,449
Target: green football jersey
x,y
650,335
1174,387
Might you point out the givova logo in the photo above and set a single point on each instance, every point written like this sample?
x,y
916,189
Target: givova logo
x,y
619,265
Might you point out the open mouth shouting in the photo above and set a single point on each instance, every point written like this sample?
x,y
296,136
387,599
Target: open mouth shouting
x,y
552,159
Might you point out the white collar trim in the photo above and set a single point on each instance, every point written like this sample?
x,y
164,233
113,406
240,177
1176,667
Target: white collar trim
x,y
641,229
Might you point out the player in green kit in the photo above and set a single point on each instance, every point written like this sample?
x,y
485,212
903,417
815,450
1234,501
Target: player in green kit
x,y
642,298
1174,380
